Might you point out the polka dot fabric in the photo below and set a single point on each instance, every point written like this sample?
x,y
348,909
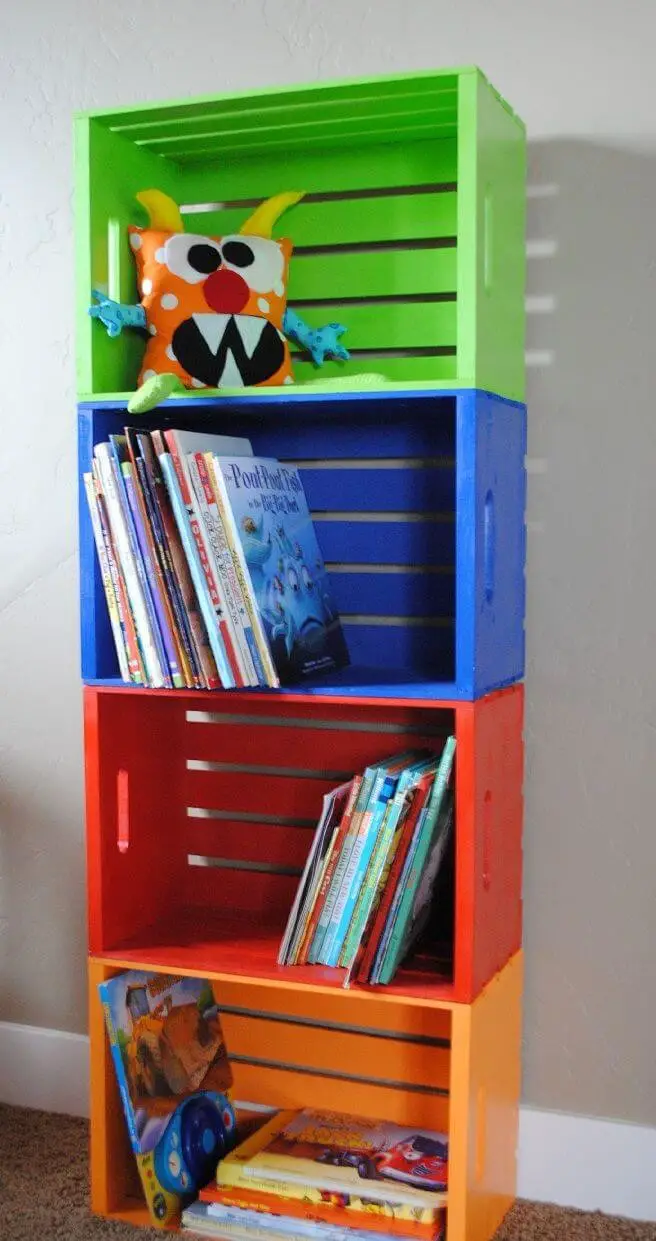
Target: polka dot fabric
x,y
214,308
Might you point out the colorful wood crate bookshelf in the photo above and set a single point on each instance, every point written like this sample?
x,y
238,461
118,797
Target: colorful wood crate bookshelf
x,y
200,806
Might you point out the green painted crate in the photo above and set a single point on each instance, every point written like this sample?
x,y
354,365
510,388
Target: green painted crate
x,y
412,231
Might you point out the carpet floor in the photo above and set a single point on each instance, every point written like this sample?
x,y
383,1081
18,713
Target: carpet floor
x,y
43,1193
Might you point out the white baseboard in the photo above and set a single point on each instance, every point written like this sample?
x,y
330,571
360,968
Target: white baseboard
x,y
576,1161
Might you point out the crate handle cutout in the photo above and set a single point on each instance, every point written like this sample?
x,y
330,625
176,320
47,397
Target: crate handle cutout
x,y
122,810
487,840
488,217
489,547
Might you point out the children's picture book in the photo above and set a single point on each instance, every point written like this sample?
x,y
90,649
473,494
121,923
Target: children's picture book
x,y
322,1205
286,571
245,1224
167,1046
334,1151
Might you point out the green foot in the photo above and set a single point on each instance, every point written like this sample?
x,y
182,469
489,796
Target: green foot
x,y
153,392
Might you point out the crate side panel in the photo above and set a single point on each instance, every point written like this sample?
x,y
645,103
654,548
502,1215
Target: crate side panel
x,y
499,584
114,1176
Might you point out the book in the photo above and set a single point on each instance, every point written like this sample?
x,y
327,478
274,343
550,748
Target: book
x,y
124,540
320,922
348,1210
135,660
221,565
167,1044
108,578
315,912
422,866
285,568
243,1224
332,811
336,1152
153,448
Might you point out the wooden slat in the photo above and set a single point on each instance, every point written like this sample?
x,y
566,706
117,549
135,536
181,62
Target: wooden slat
x,y
380,542
347,750
262,895
283,1089
379,430
402,646
396,325
381,489
370,1010
373,273
382,165
361,1055
394,370
268,843
396,594
407,127
288,796
401,217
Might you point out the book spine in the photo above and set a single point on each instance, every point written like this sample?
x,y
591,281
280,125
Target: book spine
x,y
238,586
339,885
161,623
361,858
388,841
107,577
128,560
119,1070
218,556
181,502
328,892
351,1211
135,659
174,612
416,797
241,568
383,838
204,664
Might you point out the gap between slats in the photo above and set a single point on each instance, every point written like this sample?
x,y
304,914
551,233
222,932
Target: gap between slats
x,y
330,196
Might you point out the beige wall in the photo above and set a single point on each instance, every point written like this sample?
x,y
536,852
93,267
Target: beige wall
x,y
582,75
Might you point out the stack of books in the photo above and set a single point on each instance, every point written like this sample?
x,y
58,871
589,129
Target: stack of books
x,y
329,1177
365,893
210,563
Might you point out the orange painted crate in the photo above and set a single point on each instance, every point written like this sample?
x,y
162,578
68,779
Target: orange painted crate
x,y
200,816
451,1067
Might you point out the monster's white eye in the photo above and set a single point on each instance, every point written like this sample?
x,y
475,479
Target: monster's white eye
x,y
192,257
260,261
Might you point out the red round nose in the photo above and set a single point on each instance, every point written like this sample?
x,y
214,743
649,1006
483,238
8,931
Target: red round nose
x,y
226,292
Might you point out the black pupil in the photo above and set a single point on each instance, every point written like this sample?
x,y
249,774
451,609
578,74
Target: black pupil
x,y
238,253
204,258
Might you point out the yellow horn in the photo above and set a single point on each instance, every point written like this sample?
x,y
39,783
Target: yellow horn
x,y
162,212
261,222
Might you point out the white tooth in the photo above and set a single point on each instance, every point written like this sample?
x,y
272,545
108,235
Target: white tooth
x,y
250,329
231,376
211,328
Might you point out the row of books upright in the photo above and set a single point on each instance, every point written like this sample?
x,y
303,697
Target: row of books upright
x,y
365,893
212,574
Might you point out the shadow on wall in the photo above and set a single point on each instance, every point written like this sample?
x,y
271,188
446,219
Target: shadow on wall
x,y
591,671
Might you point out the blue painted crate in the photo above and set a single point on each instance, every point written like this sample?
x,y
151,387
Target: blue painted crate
x,y
418,501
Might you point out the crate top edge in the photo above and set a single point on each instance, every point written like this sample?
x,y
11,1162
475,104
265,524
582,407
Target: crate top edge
x,y
392,392
215,698
288,90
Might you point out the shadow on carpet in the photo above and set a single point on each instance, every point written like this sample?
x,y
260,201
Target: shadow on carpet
x,y
44,1193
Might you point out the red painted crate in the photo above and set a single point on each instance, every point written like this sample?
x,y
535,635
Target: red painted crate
x,y
199,822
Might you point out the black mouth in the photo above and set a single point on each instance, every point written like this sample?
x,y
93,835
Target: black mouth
x,y
229,351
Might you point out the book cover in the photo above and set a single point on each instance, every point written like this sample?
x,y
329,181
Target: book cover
x,y
314,926
109,588
346,1209
332,811
336,1152
331,881
285,566
135,658
153,448
124,540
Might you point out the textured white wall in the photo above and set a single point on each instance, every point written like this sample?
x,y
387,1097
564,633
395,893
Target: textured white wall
x,y
582,76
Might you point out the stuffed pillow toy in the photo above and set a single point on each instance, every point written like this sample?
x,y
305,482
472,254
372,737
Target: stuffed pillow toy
x,y
215,308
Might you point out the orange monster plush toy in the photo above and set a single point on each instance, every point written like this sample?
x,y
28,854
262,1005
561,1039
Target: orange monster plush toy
x,y
214,307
